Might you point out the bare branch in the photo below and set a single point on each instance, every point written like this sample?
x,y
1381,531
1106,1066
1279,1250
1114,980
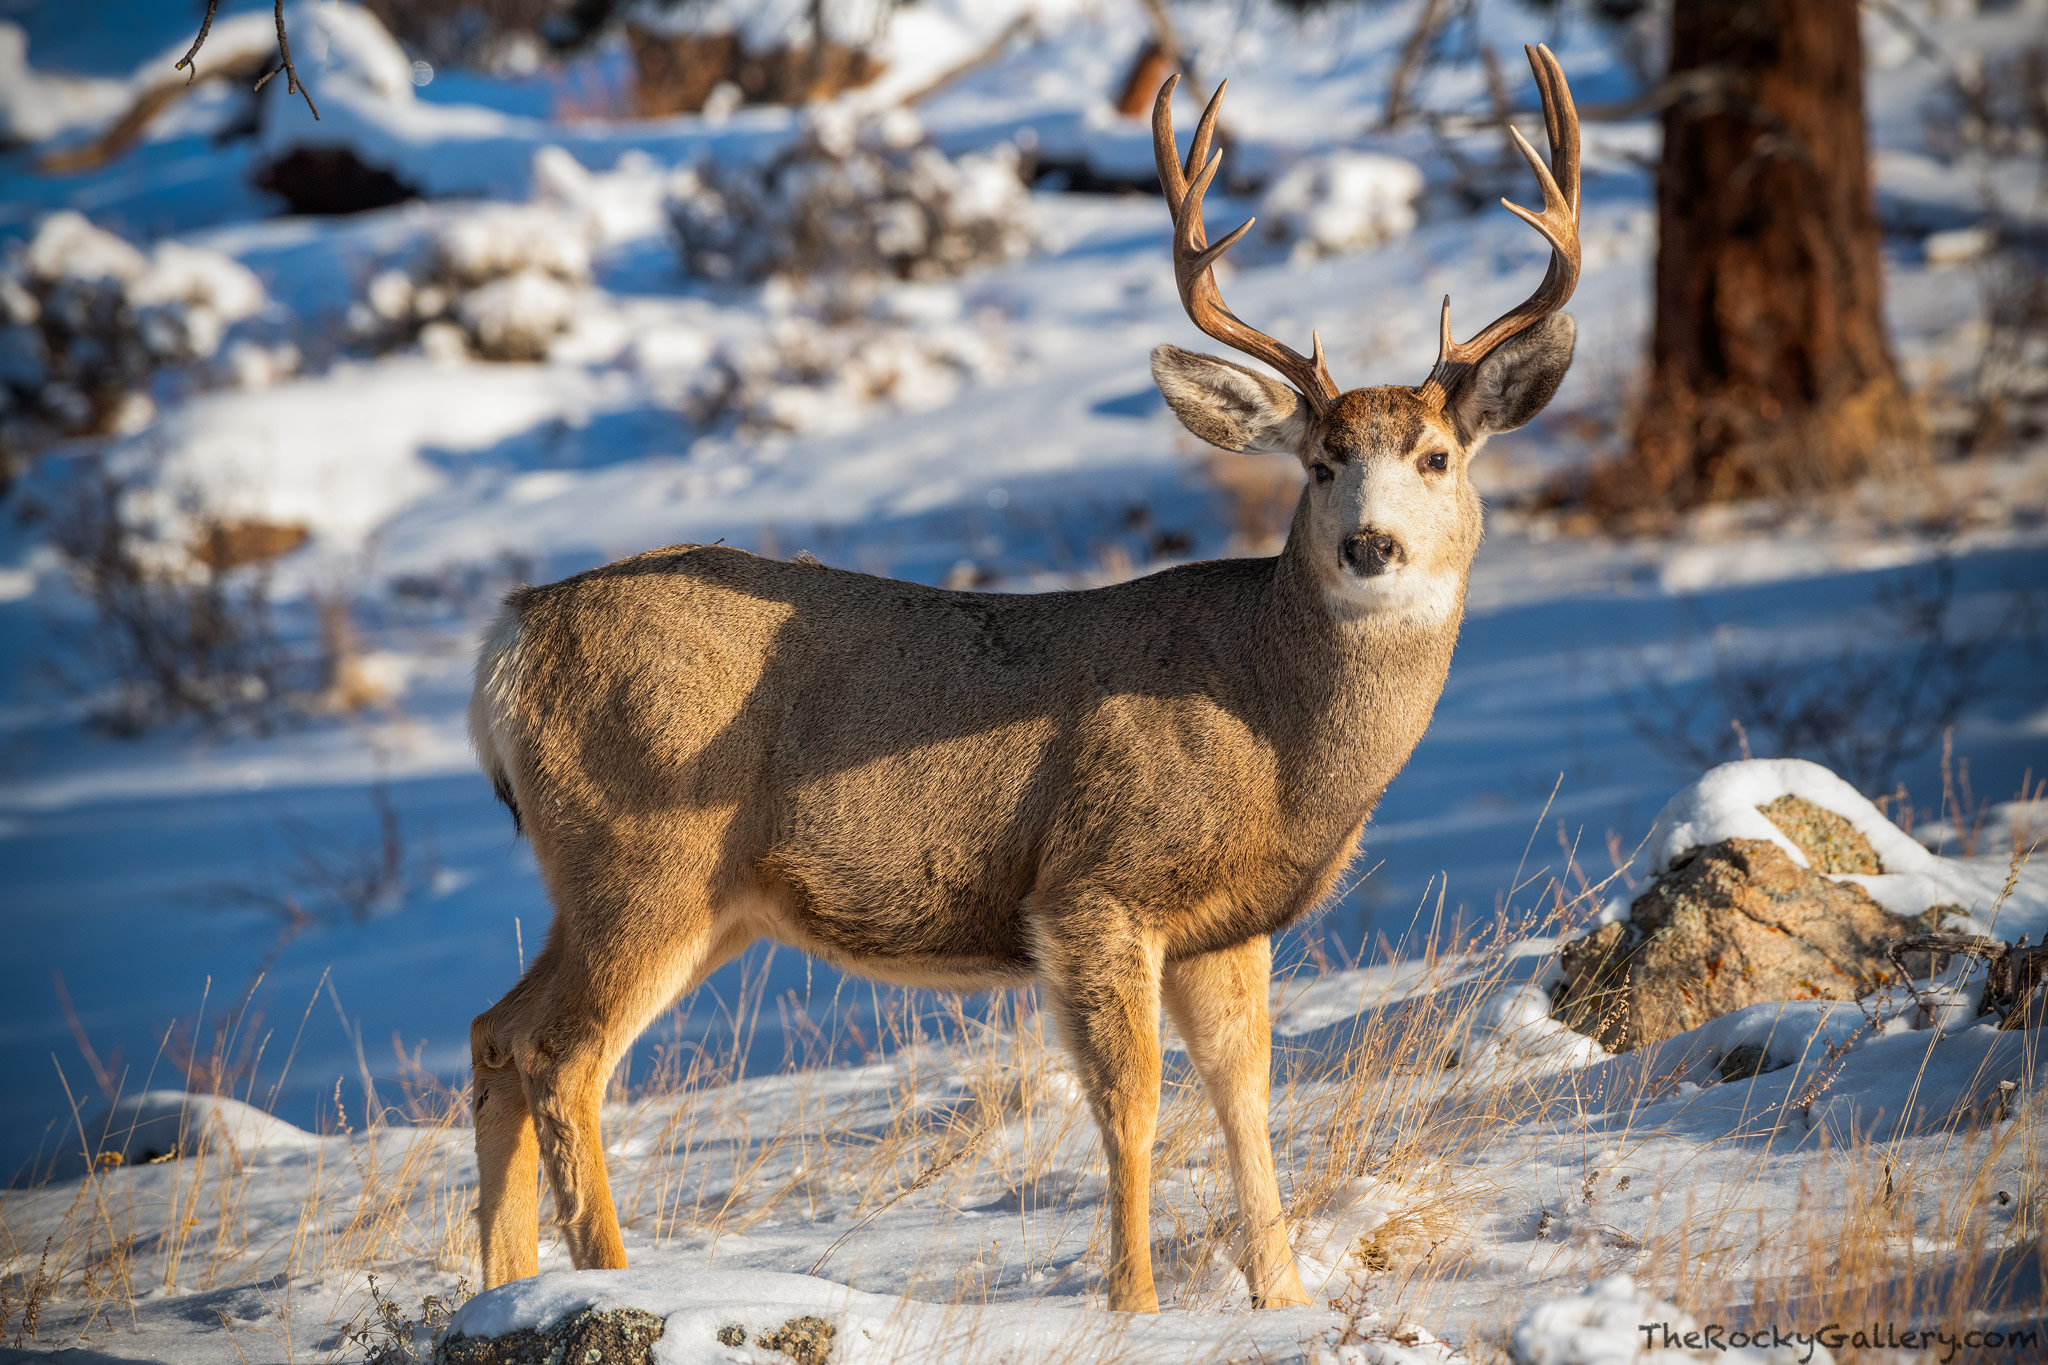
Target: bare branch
x,y
205,27
188,65
291,73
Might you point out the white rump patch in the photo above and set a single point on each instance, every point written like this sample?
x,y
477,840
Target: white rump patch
x,y
498,669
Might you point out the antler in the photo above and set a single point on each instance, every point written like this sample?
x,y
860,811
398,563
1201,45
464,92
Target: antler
x,y
1559,224
1193,255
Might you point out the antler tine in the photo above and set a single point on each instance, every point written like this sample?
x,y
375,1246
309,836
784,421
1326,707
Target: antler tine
x,y
1172,179
1205,128
1558,224
1560,120
1191,256
1194,255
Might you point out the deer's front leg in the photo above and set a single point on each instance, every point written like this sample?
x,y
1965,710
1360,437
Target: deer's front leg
x,y
1102,974
1218,1001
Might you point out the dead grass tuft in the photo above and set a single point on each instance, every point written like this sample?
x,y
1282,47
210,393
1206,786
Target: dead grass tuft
x,y
1380,1121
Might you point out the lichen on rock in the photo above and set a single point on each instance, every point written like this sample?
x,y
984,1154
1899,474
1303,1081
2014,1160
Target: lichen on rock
x,y
1831,844
626,1336
806,1340
589,1336
1730,925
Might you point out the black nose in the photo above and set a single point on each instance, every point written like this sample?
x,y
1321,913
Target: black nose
x,y
1371,552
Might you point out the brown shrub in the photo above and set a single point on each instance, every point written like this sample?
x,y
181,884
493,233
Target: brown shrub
x,y
676,73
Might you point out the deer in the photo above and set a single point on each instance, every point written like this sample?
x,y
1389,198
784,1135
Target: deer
x,y
1117,794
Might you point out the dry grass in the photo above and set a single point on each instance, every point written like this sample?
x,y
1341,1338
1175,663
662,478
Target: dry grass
x,y
1883,1232
1380,1123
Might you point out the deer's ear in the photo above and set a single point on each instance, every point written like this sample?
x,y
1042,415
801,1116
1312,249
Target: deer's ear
x,y
1515,381
1228,405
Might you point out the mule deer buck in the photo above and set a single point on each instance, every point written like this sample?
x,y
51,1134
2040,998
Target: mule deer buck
x,y
1118,794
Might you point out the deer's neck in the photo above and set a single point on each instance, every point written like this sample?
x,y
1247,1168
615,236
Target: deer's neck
x,y
1348,694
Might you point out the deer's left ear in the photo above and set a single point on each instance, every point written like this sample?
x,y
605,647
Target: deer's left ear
x,y
1515,381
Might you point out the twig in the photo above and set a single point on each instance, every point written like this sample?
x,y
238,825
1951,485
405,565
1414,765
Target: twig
x,y
1412,54
284,51
291,73
2012,972
205,27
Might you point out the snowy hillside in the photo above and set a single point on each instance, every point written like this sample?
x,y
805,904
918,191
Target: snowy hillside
x,y
577,337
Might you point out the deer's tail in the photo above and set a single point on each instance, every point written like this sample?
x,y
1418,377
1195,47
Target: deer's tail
x,y
499,671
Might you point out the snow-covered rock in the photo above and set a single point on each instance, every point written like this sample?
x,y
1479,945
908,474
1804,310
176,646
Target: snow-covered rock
x,y
1724,804
162,1125
1734,925
715,1314
1737,913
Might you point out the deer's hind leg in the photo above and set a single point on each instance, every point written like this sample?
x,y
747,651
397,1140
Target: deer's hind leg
x,y
616,956
1101,972
1218,1002
507,1156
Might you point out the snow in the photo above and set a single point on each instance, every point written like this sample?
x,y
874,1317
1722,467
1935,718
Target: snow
x,y
503,241
516,316
167,1124
36,104
254,453
67,246
2001,825
871,1329
1610,1324
1343,201
994,424
998,1257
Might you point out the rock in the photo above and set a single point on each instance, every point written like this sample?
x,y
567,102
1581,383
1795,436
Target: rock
x,y
589,1336
625,1336
1830,843
1730,925
331,180
1745,1060
807,1340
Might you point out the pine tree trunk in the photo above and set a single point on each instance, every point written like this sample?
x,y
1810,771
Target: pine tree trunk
x,y
1770,369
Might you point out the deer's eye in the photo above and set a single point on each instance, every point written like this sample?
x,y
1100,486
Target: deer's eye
x,y
1438,460
1323,473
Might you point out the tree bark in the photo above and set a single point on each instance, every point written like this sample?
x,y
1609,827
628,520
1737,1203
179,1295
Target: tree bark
x,y
1770,373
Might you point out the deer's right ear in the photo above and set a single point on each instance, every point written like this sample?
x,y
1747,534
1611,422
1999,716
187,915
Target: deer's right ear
x,y
1228,405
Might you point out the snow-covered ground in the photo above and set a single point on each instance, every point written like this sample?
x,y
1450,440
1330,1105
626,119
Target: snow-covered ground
x,y
342,894
1469,1179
